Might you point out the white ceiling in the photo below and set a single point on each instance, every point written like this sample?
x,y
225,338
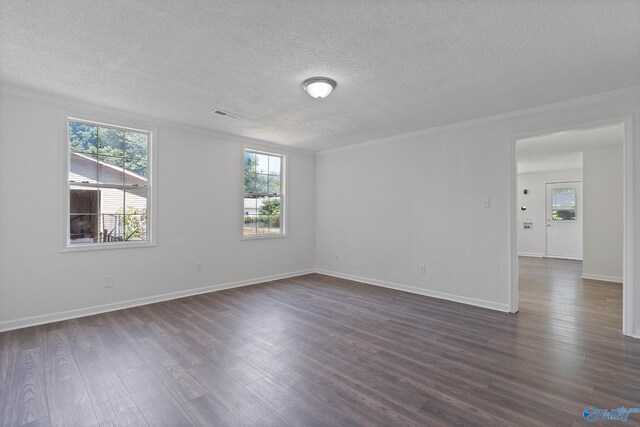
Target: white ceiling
x,y
400,65
563,150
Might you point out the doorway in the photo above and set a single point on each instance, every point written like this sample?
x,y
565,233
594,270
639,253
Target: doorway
x,y
553,230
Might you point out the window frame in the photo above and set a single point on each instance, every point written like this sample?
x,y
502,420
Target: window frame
x,y
66,245
283,192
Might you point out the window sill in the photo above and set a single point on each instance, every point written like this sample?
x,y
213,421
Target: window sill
x,y
105,246
264,237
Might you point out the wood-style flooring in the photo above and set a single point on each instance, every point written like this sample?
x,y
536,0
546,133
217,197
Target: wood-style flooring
x,y
316,351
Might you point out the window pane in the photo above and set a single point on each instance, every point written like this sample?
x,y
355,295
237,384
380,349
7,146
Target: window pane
x,y
261,183
111,201
263,224
110,170
135,201
135,227
250,222
274,165
270,206
83,229
274,224
111,227
136,145
83,167
563,202
249,172
274,184
83,137
83,215
83,200
249,182
135,171
110,142
262,163
250,206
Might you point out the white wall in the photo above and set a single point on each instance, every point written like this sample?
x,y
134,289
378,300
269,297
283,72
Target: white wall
x,y
532,242
199,219
387,206
603,215
386,209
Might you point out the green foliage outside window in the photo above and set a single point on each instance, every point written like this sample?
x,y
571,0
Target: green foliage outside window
x,y
116,147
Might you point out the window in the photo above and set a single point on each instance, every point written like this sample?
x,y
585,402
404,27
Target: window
x,y
563,201
109,185
264,199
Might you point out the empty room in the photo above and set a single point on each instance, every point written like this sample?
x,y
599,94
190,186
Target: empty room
x,y
319,213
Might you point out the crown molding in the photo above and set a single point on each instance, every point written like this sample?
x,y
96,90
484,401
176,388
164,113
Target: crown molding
x,y
68,104
575,102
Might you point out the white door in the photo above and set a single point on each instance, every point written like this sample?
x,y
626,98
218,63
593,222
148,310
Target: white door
x,y
564,220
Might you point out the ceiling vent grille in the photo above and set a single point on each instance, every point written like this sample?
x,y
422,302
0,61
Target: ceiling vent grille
x,y
225,114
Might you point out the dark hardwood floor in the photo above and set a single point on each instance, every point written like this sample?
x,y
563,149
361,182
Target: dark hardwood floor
x,y
316,350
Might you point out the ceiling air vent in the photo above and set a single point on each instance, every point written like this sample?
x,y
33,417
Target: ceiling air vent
x,y
225,114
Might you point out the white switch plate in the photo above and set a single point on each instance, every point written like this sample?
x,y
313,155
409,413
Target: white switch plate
x,y
486,203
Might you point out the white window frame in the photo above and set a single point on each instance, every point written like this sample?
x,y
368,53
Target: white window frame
x,y
283,192
151,241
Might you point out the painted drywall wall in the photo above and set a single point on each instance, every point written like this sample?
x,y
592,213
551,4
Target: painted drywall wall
x,y
199,208
388,206
603,215
531,242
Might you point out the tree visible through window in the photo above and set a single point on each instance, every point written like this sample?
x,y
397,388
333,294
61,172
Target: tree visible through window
x,y
108,183
263,194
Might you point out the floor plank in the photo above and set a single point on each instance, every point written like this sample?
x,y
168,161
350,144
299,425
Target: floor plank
x,y
25,394
112,403
155,403
69,404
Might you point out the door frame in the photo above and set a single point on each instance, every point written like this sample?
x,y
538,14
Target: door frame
x,y
628,219
546,213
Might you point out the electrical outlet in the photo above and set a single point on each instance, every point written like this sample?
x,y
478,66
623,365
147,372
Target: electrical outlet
x,y
337,258
423,269
108,282
198,266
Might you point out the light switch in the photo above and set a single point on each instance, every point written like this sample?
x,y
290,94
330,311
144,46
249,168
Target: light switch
x,y
486,203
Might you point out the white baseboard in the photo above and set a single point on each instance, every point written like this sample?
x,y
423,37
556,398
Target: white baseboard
x,y
24,322
420,291
531,254
636,334
589,276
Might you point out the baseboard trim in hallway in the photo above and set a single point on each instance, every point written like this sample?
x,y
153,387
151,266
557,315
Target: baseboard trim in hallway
x,y
615,279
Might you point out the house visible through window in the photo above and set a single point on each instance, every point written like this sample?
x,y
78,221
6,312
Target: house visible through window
x,y
263,194
109,186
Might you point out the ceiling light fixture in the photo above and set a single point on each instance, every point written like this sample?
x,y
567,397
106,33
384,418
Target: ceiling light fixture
x,y
319,87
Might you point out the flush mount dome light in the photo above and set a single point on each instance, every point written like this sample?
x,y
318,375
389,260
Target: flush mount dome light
x,y
319,87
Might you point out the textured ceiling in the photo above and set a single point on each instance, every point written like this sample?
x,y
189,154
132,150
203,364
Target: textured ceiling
x,y
400,65
563,150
